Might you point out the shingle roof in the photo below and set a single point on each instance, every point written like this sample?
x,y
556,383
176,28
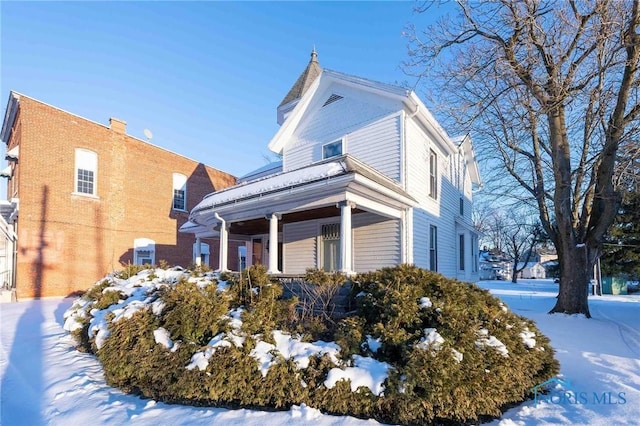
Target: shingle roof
x,y
305,80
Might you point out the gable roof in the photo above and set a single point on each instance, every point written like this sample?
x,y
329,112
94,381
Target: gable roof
x,y
409,98
308,76
464,142
9,116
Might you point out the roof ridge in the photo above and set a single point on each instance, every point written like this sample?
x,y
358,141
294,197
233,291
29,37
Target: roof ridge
x,y
308,76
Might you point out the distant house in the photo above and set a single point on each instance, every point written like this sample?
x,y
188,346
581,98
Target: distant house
x,y
84,199
531,270
494,266
368,179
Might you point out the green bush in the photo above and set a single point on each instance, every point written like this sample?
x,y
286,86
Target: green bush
x,y
192,314
440,339
130,270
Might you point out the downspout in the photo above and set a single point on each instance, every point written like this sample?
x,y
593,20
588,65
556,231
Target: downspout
x,y
222,264
405,177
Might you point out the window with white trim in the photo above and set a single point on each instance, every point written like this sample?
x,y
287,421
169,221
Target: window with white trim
x,y
204,253
474,253
433,174
86,172
333,149
330,242
433,248
144,251
461,251
179,192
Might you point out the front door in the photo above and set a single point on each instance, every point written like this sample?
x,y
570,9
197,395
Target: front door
x,y
256,251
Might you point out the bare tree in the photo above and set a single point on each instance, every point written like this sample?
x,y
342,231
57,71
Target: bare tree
x,y
521,240
551,90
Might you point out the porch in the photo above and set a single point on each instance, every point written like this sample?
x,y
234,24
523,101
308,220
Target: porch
x,y
323,198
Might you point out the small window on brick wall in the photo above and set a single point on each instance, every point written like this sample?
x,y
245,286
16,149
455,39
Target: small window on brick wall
x,y
179,191
144,251
86,172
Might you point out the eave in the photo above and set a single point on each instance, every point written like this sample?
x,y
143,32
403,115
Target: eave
x,y
352,181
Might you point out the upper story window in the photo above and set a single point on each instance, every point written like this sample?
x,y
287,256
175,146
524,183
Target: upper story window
x,y
433,175
86,172
333,149
461,206
179,192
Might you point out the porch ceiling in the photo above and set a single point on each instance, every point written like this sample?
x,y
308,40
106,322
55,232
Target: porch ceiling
x,y
261,225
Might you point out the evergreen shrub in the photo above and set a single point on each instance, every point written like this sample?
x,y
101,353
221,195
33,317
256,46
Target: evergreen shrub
x,y
453,353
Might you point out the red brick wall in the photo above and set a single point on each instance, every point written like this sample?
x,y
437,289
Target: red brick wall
x,y
68,241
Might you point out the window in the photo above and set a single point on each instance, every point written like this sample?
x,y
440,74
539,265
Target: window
x,y
144,251
433,248
330,247
204,253
179,192
433,175
461,251
474,253
86,172
333,149
461,206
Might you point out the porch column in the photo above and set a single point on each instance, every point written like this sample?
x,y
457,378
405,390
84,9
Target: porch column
x,y
345,236
223,244
273,243
198,253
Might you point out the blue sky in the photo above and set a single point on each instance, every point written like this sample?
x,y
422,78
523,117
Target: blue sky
x,y
204,77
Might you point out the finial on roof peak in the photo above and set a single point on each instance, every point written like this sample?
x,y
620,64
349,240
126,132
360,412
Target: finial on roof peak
x,y
314,54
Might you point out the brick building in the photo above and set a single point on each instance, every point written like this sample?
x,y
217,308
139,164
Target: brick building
x,y
84,199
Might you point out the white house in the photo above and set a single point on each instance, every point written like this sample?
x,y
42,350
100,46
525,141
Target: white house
x,y
531,270
368,179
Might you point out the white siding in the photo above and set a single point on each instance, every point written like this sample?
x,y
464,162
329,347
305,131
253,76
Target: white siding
x,y
376,242
378,145
299,250
421,222
326,124
440,212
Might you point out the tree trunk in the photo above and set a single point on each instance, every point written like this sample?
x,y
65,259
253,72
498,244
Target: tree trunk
x,y
576,270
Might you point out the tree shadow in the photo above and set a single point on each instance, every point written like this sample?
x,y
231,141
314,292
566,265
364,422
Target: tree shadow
x,y
21,390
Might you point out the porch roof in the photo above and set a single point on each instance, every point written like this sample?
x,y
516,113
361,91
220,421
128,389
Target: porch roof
x,y
303,193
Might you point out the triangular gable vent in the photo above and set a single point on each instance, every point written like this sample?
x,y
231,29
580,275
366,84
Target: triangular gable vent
x,y
332,99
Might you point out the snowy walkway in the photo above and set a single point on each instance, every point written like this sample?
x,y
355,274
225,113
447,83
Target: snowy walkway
x,y
597,356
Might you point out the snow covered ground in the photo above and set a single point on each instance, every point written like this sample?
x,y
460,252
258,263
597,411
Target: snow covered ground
x,y
45,381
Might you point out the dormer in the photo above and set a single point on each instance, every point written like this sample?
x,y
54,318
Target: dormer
x,y
308,76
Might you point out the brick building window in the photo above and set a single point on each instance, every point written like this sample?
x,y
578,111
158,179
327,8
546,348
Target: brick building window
x,y
144,251
179,192
86,172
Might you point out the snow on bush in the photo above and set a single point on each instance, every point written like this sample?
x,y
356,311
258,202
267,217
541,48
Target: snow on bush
x,y
187,337
485,340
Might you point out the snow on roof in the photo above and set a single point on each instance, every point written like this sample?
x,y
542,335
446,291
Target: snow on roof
x,y
267,169
272,183
528,264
